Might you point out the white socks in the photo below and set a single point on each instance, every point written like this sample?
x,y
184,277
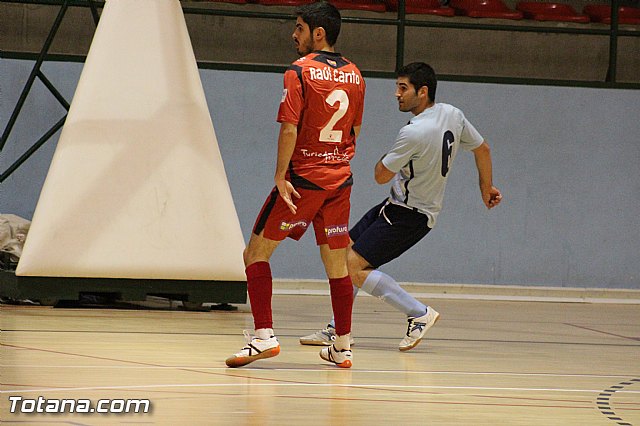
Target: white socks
x,y
385,288
342,342
264,333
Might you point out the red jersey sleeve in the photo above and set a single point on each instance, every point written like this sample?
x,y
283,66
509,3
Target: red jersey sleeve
x,y
292,100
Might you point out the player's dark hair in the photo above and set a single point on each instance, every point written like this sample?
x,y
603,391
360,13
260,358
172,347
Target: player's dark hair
x,y
322,14
420,74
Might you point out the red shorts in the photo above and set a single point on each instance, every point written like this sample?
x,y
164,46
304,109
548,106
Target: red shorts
x,y
327,210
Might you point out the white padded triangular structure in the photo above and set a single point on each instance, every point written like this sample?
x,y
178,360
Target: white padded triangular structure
x,y
137,187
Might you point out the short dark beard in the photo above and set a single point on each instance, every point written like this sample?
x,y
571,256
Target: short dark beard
x,y
309,49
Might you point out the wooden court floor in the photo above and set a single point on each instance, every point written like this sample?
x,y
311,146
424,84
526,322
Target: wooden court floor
x,y
484,363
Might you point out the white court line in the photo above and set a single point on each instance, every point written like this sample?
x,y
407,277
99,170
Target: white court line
x,y
489,297
319,385
459,373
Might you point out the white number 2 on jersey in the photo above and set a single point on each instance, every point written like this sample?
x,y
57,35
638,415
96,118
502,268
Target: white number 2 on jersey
x,y
327,134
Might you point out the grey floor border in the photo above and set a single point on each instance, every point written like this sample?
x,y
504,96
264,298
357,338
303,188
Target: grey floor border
x,y
480,292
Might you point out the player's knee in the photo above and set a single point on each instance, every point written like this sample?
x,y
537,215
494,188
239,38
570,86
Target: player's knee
x,y
258,250
250,255
246,256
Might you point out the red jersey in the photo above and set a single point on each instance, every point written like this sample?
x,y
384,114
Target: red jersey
x,y
324,96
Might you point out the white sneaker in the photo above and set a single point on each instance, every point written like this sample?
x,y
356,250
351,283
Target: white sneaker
x,y
417,329
255,349
342,358
324,337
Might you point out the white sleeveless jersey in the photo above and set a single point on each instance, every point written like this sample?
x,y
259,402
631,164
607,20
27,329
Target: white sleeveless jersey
x,y
423,154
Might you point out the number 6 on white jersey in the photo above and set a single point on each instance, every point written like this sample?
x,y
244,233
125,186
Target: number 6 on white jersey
x,y
327,134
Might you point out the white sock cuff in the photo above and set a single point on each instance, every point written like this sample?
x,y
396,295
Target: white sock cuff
x,y
263,333
371,282
343,342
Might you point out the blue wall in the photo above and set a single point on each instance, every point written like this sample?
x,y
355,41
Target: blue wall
x,y
566,160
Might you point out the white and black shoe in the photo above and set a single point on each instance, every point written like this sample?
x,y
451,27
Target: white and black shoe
x,y
324,337
417,328
255,349
342,358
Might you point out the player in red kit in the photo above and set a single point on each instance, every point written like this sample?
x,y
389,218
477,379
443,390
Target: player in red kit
x,y
320,117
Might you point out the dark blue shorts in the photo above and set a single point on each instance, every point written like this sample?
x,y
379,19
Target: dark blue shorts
x,y
387,231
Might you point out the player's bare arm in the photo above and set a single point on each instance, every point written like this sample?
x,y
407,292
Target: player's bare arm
x,y
286,145
381,174
491,196
356,131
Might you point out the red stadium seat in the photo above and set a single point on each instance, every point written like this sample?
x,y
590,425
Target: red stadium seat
x,y
485,9
370,5
423,7
602,13
550,12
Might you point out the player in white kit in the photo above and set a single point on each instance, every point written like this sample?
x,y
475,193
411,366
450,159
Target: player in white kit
x,y
417,164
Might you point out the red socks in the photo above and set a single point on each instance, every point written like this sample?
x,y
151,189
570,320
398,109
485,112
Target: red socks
x,y
260,288
342,303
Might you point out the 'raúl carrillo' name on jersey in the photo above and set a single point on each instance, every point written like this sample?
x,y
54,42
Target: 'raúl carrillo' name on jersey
x,y
331,74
